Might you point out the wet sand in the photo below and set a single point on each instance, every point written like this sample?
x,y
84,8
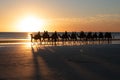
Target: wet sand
x,y
42,62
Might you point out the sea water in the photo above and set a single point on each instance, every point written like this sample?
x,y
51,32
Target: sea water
x,y
25,36
14,37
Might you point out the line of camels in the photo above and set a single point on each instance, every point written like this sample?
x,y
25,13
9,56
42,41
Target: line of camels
x,y
55,37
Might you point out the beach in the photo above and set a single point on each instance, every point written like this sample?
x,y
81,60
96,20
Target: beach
x,y
26,61
59,39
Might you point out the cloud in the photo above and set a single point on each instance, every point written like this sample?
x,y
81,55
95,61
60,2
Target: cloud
x,y
105,22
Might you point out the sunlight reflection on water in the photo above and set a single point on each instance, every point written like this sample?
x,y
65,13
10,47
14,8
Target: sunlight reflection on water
x,y
42,45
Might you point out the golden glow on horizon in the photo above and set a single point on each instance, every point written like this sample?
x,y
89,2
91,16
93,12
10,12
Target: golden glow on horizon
x,y
30,24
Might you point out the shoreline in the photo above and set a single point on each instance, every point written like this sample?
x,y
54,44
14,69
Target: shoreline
x,y
116,41
14,40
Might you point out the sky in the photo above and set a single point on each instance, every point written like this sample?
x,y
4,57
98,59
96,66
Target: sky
x,y
61,15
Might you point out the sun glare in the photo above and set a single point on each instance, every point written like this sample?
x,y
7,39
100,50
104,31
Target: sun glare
x,y
31,24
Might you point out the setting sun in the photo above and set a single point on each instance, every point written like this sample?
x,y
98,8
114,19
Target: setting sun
x,y
31,24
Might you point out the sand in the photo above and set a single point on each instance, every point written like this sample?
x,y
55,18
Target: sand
x,y
46,62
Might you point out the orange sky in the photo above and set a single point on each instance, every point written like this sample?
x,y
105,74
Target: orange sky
x,y
60,15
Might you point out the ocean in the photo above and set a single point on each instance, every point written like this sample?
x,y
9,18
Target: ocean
x,y
8,37
25,36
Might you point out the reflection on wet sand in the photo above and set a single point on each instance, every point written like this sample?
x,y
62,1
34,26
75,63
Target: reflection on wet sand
x,y
69,43
76,62
49,65
41,69
33,61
